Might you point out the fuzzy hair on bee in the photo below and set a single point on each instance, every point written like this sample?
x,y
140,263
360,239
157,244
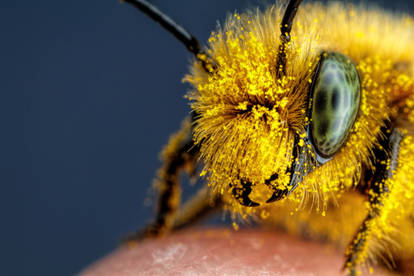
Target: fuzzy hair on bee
x,y
302,120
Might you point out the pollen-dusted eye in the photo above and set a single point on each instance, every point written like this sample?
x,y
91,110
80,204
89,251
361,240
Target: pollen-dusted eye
x,y
335,103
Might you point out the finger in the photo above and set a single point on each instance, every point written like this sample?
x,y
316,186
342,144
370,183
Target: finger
x,y
223,252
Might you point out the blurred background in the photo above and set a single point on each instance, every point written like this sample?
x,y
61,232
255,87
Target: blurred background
x,y
90,92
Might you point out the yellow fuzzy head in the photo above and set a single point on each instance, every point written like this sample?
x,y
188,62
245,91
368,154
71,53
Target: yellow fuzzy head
x,y
247,118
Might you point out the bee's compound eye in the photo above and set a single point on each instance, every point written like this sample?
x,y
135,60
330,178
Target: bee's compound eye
x,y
335,103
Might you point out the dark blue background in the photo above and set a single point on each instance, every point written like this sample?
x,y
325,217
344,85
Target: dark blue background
x,y
90,92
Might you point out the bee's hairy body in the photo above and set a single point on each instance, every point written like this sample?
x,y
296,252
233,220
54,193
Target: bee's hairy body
x,y
254,130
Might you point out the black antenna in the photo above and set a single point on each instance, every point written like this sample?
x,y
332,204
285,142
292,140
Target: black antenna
x,y
285,28
178,31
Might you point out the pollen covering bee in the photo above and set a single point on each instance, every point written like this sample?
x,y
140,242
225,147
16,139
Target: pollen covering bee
x,y
301,119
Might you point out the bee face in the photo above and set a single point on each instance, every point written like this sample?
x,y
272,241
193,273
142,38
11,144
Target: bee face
x,y
253,125
247,122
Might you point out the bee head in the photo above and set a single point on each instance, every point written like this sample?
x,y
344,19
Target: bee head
x,y
263,125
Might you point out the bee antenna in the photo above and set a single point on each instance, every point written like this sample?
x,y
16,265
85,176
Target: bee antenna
x,y
285,28
190,42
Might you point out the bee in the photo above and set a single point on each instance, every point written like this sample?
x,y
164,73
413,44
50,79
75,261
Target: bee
x,y
302,118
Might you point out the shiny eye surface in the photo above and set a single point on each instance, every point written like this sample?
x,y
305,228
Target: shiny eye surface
x,y
335,103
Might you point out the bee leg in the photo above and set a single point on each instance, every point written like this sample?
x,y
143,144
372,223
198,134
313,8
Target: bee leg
x,y
371,232
180,154
197,208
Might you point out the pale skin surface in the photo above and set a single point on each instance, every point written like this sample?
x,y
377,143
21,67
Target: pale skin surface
x,y
223,252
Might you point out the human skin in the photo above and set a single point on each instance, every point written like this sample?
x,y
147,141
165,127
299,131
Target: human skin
x,y
223,252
